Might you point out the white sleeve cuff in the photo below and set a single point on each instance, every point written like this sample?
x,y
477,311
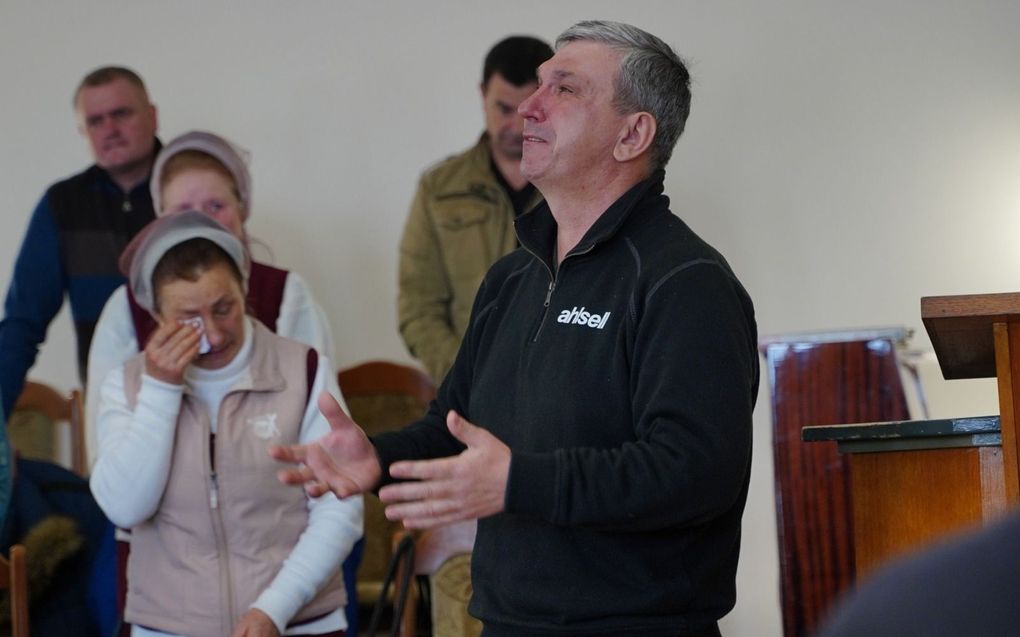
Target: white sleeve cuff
x,y
160,397
279,606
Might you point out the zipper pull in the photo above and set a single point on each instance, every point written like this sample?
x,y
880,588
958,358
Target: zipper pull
x,y
214,492
548,295
126,205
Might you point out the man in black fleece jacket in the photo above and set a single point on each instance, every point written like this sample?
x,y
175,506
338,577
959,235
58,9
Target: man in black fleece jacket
x,y
597,420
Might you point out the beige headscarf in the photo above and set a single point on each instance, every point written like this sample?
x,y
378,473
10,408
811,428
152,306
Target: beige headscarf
x,y
233,159
139,259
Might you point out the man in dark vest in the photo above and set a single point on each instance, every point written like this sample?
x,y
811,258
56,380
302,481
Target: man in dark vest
x,y
81,225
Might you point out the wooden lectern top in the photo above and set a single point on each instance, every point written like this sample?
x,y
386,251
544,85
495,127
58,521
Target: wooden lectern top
x,y
960,328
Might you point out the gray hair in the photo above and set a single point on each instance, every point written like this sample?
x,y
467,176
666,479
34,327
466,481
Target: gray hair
x,y
651,78
106,74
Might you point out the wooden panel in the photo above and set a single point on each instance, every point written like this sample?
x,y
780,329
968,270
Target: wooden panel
x,y
819,383
14,578
904,500
994,501
960,328
1006,362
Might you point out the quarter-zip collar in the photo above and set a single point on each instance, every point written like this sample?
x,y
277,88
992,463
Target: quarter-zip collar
x,y
536,230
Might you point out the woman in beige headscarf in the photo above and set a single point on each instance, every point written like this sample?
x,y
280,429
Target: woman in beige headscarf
x,y
218,546
205,172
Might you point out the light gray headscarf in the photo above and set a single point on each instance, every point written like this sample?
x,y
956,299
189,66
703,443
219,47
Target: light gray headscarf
x,y
233,159
140,258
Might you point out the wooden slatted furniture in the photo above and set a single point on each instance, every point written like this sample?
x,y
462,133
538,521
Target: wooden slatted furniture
x,y
916,482
434,550
56,407
14,579
822,378
382,396
978,336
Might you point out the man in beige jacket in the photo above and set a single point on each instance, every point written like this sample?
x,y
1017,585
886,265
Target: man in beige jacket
x,y
461,219
461,222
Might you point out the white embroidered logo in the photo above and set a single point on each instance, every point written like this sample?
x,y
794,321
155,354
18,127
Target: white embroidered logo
x,y
583,317
264,426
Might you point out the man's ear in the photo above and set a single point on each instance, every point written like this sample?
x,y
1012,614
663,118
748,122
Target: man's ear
x,y
635,138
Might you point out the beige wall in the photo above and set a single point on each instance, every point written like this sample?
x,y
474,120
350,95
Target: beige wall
x,y
848,158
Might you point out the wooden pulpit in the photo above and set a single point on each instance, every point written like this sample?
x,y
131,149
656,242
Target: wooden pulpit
x,y
978,336
916,482
816,379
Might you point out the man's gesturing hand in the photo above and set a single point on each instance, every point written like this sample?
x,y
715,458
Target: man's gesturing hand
x,y
467,486
343,461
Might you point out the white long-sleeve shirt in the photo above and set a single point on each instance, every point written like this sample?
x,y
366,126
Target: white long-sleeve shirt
x,y
114,341
133,467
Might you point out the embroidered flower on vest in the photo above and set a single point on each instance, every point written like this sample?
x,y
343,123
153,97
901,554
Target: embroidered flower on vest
x,y
264,426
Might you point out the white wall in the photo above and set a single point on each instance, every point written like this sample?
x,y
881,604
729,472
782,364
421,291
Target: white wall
x,y
848,158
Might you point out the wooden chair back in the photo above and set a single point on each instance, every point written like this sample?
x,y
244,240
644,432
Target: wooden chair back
x,y
384,377
52,405
14,579
382,396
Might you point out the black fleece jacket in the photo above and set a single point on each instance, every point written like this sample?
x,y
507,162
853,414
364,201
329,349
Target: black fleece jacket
x,y
623,383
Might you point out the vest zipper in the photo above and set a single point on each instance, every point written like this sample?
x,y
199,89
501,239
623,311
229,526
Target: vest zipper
x,y
221,535
214,487
214,491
